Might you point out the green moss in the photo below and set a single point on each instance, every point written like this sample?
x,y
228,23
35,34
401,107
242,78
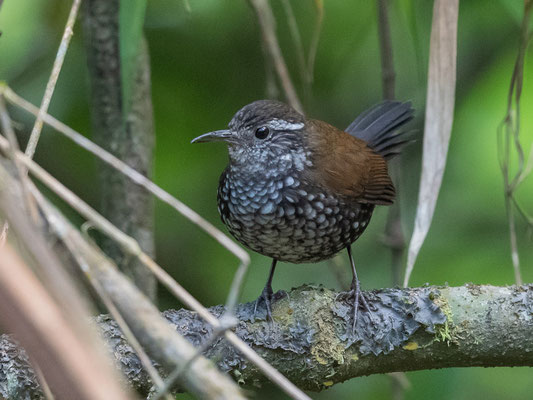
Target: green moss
x,y
446,332
326,347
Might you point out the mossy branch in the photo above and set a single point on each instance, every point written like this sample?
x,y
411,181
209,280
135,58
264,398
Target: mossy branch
x,y
410,329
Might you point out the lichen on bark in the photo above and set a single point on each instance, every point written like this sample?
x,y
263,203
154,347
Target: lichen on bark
x,y
310,340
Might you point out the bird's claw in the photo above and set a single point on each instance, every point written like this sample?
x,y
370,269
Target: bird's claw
x,y
359,300
266,296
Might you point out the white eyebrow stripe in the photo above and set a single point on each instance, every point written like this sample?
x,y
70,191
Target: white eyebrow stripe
x,y
282,125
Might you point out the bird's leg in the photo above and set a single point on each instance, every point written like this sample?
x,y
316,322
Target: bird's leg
x,y
356,290
266,294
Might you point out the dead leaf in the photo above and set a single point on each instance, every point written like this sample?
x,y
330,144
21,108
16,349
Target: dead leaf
x,y
439,118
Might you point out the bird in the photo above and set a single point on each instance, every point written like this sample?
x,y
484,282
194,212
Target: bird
x,y
299,190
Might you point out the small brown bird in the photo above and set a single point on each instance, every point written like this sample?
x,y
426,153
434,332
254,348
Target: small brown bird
x,y
301,190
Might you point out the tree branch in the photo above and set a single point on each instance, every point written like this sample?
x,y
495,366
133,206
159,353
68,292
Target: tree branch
x,y
388,76
411,329
130,137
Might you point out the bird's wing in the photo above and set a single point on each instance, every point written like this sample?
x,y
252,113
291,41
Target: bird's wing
x,y
347,165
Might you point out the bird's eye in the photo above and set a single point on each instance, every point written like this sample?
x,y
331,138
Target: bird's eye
x,y
262,132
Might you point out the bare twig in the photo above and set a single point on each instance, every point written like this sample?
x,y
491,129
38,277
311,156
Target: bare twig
x,y
296,39
388,75
313,46
267,23
528,218
394,237
50,86
271,84
509,139
7,128
132,247
306,66
527,168
3,234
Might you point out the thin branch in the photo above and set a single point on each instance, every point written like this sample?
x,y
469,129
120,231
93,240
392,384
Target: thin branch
x,y
388,75
527,168
267,23
306,66
50,86
296,39
271,84
509,131
3,234
7,128
313,46
393,237
522,212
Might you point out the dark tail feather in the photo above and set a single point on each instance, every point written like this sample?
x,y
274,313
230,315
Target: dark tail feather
x,y
380,126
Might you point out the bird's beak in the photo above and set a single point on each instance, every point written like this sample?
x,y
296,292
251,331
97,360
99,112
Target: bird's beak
x,y
224,135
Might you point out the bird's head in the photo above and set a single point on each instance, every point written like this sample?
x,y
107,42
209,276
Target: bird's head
x,y
263,136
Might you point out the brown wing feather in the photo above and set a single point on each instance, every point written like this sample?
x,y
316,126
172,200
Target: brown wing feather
x,y
346,165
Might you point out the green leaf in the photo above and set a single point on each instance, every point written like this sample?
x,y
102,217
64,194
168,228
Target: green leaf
x,y
131,20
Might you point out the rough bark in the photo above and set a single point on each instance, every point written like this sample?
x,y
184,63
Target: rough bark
x,y
129,137
410,329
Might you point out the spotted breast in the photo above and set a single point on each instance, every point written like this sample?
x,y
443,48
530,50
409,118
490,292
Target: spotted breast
x,y
288,219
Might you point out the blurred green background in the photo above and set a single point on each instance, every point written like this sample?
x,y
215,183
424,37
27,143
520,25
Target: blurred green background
x,y
208,63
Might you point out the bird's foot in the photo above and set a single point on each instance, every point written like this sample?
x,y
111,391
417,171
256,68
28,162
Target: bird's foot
x,y
355,294
266,297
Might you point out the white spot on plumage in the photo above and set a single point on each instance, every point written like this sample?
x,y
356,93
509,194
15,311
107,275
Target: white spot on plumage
x,y
289,181
267,208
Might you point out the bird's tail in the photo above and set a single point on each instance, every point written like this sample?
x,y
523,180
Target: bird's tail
x,y
380,127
